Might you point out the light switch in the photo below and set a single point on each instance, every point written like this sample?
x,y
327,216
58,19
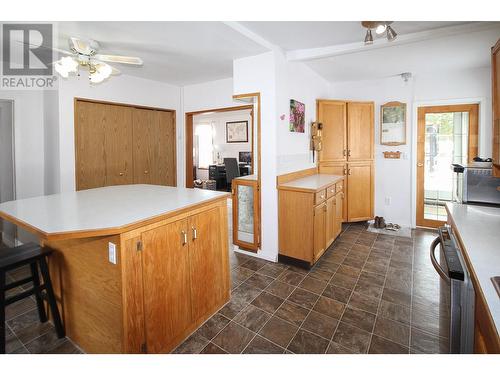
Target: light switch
x,y
112,252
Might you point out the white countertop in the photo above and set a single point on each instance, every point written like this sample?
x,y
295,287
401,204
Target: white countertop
x,y
479,231
102,208
314,182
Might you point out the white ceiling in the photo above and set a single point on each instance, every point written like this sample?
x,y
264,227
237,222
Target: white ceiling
x,y
298,35
458,52
179,53
183,53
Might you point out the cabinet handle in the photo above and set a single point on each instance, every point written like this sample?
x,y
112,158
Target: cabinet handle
x,y
345,152
121,173
349,171
349,153
345,171
184,238
195,233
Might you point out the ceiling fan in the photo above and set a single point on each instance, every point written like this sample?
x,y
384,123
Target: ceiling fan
x,y
84,53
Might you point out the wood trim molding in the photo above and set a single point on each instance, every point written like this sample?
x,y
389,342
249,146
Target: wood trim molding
x,y
281,179
473,139
189,131
121,104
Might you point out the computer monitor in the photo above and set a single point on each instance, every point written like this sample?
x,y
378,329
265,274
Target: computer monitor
x,y
245,157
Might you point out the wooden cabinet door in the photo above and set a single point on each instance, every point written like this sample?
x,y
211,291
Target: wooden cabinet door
x,y
206,261
154,147
319,230
167,295
339,213
332,114
360,131
90,148
339,169
360,191
330,226
118,144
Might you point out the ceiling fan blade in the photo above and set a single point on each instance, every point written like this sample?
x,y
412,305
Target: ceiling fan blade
x,y
61,51
81,46
120,59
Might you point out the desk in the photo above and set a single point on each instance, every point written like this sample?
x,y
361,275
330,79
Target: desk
x,y
218,173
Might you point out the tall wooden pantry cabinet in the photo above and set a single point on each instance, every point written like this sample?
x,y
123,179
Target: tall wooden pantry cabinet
x,y
348,149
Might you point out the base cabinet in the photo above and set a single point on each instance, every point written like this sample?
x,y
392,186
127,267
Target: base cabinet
x,y
309,222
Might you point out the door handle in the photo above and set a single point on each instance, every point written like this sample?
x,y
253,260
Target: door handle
x,y
184,238
420,164
195,233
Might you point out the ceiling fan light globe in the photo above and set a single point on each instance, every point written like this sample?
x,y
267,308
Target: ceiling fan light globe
x,y
381,28
61,69
105,70
69,64
96,77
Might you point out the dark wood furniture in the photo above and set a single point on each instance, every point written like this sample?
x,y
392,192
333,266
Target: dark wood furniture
x,y
33,256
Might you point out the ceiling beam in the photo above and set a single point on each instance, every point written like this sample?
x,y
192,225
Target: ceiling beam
x,y
251,35
343,49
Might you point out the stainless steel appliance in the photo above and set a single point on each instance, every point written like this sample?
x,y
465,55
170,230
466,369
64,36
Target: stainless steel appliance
x,y
453,271
479,185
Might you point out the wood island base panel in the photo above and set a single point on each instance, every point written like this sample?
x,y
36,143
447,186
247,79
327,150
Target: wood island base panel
x,y
147,287
166,282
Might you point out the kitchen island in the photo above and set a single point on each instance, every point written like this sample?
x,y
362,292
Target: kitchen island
x,y
136,268
478,231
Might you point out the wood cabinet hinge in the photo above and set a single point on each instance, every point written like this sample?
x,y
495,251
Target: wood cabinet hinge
x,y
139,246
144,348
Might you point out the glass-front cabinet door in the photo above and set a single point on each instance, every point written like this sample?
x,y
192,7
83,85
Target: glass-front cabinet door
x,y
246,200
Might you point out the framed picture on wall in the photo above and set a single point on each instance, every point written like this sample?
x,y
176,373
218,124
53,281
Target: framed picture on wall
x,y
297,116
393,124
236,131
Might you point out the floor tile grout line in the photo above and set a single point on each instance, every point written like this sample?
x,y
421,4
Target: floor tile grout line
x,y
380,301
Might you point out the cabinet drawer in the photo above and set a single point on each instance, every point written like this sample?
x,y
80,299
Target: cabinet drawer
x,y
330,191
319,197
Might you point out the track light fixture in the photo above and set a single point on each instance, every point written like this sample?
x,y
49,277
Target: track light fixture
x,y
380,28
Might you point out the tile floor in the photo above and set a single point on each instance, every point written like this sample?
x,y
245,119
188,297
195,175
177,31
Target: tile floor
x,y
369,293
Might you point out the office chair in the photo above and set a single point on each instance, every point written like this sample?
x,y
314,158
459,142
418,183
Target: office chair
x,y
232,170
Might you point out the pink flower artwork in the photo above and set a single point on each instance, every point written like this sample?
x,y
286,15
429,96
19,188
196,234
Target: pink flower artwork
x,y
297,116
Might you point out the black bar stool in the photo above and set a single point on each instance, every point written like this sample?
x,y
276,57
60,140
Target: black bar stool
x,y
34,256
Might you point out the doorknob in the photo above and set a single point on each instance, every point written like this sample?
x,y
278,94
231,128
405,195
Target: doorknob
x,y
420,164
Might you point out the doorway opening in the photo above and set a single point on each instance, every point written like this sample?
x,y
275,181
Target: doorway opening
x,y
215,137
446,135
8,232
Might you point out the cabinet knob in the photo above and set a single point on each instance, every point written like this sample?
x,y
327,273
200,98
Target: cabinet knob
x,y
121,173
322,196
146,172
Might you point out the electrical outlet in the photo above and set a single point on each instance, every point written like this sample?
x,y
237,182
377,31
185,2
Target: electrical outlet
x,y
112,252
387,201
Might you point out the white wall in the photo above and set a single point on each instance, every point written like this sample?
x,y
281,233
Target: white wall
x,y
395,179
258,74
225,150
299,82
29,142
51,141
123,89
